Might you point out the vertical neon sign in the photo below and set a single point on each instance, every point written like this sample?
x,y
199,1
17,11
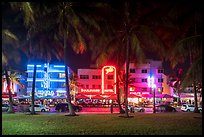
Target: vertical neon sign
x,y
105,71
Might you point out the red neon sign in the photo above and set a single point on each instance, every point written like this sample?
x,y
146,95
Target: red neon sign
x,y
110,69
105,71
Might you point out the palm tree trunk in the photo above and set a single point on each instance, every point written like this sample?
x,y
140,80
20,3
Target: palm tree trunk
x,y
71,110
179,98
126,77
195,98
33,90
10,110
118,94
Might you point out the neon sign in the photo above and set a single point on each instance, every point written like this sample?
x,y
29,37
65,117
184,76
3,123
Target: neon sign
x,y
150,81
110,69
105,71
90,90
108,90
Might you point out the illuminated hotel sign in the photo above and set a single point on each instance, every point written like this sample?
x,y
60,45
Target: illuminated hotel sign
x,y
90,90
108,78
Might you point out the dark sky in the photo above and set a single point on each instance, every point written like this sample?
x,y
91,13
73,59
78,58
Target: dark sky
x,y
75,60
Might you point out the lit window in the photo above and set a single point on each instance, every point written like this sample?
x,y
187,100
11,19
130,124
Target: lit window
x,y
61,75
132,88
160,90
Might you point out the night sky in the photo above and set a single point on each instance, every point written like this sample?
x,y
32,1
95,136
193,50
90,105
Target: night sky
x,y
75,60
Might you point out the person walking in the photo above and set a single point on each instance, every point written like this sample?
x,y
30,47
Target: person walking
x,y
111,107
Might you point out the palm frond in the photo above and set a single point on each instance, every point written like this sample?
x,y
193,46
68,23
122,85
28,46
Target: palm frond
x,y
194,73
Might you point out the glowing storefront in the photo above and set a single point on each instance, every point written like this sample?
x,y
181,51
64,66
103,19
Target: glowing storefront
x,y
50,79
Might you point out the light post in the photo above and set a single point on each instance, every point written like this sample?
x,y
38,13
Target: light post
x,y
152,86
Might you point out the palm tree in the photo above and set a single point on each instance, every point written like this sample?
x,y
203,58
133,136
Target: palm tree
x,y
9,41
193,74
189,47
19,8
73,30
175,82
127,39
40,45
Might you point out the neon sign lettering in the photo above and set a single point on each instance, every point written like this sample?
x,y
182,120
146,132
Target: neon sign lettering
x,y
90,90
108,90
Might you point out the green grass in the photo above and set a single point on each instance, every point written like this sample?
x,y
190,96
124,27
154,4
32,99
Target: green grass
x,y
103,124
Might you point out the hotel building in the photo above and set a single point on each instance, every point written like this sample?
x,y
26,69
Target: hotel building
x,y
97,81
102,81
50,79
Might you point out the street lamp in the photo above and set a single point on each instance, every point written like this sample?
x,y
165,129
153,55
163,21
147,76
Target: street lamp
x,y
152,86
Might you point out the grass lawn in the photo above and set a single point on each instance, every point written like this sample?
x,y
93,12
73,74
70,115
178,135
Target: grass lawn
x,y
103,124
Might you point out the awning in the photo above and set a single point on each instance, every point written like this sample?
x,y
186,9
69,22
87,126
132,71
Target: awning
x,y
7,96
133,96
97,97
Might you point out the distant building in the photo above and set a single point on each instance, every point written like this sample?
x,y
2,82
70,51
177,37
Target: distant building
x,y
16,89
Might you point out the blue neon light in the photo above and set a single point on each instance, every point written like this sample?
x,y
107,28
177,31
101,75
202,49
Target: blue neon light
x,y
33,65
59,66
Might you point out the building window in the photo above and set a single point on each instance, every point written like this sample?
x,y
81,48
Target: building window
x,y
160,90
144,80
110,76
84,76
160,80
132,80
96,77
132,70
39,75
132,88
160,71
144,70
30,84
30,75
61,75
93,86
87,86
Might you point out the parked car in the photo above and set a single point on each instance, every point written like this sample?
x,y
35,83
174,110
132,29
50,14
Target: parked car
x,y
5,107
40,108
62,107
188,108
138,109
133,109
165,108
